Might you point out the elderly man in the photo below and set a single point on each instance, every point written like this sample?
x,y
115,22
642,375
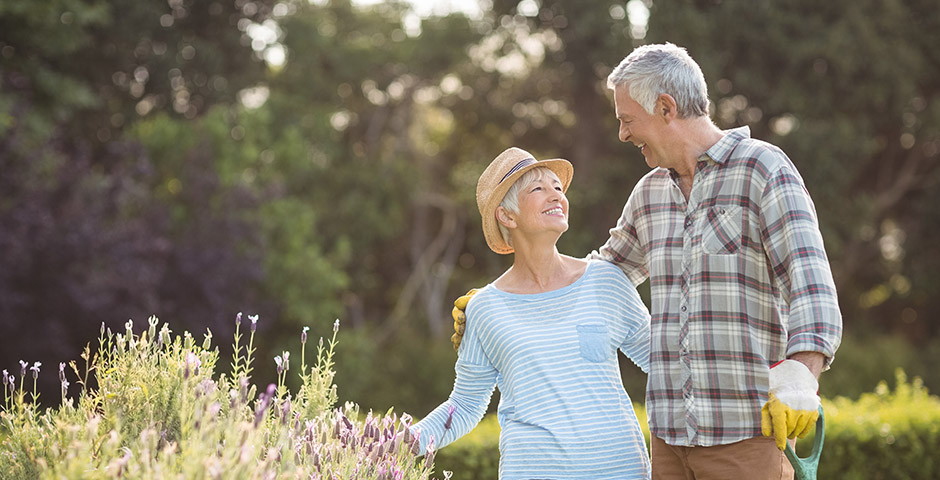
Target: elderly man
x,y
744,308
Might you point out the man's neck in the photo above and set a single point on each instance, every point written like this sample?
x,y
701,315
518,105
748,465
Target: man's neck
x,y
694,137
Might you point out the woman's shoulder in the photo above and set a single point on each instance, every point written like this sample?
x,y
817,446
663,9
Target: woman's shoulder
x,y
607,277
483,296
578,267
597,266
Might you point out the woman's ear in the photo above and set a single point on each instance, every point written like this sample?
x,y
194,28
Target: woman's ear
x,y
505,217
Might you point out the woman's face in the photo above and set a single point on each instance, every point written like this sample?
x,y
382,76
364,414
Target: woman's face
x,y
543,205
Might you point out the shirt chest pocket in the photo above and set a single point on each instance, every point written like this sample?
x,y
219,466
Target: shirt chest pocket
x,y
722,230
593,339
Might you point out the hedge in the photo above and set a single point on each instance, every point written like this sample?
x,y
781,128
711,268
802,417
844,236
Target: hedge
x,y
884,434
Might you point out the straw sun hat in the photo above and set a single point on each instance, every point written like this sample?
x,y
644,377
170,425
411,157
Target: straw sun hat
x,y
496,180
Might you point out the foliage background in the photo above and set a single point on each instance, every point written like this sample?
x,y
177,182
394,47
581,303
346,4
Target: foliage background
x,y
313,160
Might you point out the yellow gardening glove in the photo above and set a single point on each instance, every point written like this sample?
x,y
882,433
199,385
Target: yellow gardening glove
x,y
793,405
460,318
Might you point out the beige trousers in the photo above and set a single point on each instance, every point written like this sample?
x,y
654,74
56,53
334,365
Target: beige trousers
x,y
752,459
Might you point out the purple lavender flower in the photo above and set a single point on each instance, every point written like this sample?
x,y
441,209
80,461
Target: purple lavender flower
x,y
285,411
429,452
23,366
380,452
264,403
238,319
336,325
280,364
450,417
254,322
214,409
35,370
192,362
303,335
61,371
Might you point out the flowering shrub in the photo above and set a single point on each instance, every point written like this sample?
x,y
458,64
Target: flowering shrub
x,y
158,411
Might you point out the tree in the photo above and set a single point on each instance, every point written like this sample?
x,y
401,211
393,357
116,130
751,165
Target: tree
x,y
365,172
859,116
86,235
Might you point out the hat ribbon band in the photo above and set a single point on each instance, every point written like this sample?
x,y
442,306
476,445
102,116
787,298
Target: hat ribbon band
x,y
525,162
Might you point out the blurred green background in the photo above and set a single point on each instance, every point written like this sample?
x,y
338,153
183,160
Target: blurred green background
x,y
313,160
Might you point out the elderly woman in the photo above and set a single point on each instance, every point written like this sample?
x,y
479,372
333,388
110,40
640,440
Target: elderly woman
x,y
546,333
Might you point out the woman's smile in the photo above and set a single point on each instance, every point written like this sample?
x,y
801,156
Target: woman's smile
x,y
554,211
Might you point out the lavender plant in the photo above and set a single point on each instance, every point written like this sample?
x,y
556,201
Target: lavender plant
x,y
158,411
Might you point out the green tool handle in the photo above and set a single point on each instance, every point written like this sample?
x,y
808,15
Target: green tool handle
x,y
805,468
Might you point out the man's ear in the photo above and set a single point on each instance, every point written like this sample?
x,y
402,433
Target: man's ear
x,y
505,217
666,107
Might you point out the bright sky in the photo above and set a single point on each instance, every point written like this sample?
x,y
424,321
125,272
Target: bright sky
x,y
264,36
426,8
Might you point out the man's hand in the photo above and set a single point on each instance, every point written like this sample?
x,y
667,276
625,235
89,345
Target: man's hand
x,y
460,318
793,405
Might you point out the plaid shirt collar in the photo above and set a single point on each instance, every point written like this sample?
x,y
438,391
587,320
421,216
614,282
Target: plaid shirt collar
x,y
721,150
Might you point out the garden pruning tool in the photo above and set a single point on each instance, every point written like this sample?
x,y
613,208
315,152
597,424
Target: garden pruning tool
x,y
805,468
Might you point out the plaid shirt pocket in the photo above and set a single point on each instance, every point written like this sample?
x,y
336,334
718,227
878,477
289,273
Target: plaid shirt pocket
x,y
722,231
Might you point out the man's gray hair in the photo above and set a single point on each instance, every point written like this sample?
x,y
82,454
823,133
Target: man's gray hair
x,y
652,70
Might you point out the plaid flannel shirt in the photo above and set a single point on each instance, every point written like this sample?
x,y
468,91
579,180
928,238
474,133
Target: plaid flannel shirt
x,y
739,280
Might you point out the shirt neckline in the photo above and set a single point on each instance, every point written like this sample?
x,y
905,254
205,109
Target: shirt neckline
x,y
549,294
720,151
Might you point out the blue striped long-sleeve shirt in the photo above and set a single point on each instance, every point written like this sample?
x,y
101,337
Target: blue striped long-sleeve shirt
x,y
563,411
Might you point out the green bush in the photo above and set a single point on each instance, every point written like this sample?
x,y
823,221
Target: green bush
x,y
860,364
883,435
149,406
157,411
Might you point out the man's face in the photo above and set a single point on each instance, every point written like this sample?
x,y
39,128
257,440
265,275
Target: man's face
x,y
639,127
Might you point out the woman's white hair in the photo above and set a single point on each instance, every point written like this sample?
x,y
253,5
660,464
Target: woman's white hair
x,y
652,70
511,200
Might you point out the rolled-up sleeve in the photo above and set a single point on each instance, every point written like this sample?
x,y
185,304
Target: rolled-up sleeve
x,y
794,248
